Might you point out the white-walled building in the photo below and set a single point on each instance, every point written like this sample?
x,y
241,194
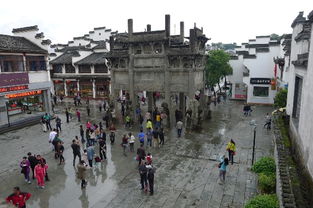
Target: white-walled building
x,y
253,77
300,85
24,75
81,66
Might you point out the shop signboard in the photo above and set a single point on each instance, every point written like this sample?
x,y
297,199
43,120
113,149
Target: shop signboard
x,y
13,79
261,81
24,94
13,88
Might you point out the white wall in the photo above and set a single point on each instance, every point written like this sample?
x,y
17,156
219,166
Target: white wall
x,y
237,76
262,67
38,76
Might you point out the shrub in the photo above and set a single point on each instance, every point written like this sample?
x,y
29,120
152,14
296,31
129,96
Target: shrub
x,y
263,201
267,183
280,100
265,165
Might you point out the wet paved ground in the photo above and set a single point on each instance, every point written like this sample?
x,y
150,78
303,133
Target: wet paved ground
x,y
186,176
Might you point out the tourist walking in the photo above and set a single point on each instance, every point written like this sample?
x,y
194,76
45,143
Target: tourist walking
x,y
124,144
88,110
43,124
102,148
33,162
161,136
40,172
131,141
58,123
81,173
112,133
222,168
231,148
67,114
150,177
149,135
127,121
90,154
52,135
60,148
156,137
41,160
268,122
141,137
18,199
143,176
82,135
25,165
179,127
76,151
141,154
78,115
47,119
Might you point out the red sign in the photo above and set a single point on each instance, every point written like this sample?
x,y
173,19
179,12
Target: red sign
x,y
24,94
14,88
13,79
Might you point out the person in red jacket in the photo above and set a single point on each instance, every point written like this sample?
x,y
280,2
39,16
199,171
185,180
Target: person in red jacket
x,y
18,198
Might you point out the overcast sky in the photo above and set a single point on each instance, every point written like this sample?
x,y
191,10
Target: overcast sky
x,y
223,20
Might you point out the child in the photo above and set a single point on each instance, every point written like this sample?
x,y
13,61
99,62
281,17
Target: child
x,y
149,159
97,161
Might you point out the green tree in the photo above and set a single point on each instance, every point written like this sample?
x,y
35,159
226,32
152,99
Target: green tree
x,y
217,67
280,100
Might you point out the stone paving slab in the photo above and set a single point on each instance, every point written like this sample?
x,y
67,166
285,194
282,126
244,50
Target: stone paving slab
x,y
187,173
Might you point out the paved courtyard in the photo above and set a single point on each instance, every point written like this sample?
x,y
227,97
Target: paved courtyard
x,y
186,176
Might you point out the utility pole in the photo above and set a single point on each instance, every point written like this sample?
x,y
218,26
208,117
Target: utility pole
x,y
253,123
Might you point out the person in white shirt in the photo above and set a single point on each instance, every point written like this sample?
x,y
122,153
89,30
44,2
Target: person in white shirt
x,y
131,142
52,135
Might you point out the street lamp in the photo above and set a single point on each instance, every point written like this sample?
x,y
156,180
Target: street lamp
x,y
253,124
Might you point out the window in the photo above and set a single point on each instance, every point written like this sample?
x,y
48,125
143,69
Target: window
x,y
11,63
101,68
69,68
260,91
297,100
36,63
84,69
57,68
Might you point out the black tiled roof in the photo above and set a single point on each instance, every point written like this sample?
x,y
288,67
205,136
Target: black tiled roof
x,y
93,59
298,19
305,34
16,44
101,45
24,29
73,48
65,58
46,42
39,35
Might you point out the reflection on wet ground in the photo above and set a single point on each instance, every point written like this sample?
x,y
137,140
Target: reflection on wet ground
x,y
186,173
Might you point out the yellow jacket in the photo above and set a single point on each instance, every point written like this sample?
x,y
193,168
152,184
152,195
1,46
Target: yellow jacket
x,y
149,125
231,146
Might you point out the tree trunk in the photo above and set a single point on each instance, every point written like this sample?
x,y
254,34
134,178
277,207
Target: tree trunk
x,y
225,84
219,87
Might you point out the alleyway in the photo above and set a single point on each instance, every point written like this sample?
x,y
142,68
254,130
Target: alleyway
x,y
186,176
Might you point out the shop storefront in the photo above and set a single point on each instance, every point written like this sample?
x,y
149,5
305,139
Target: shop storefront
x,y
71,88
59,87
102,88
86,88
25,102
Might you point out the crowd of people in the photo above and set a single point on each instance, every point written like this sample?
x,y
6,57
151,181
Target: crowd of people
x,y
92,139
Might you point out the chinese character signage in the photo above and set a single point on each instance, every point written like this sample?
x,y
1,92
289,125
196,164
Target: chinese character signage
x,y
14,88
13,79
261,81
24,94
